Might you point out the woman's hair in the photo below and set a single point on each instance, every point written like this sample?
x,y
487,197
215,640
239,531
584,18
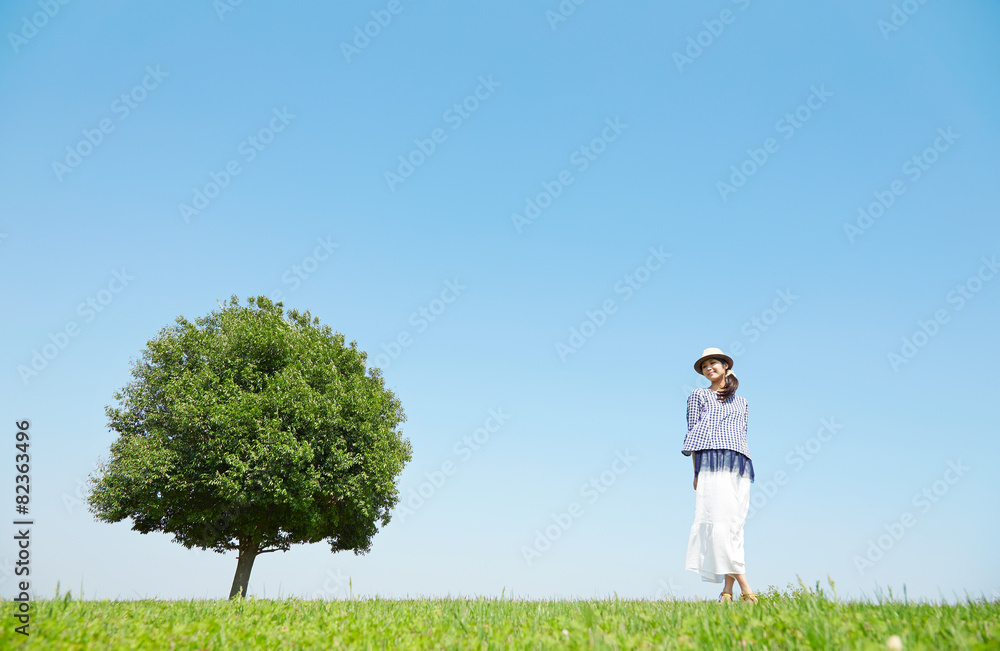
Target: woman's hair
x,y
732,384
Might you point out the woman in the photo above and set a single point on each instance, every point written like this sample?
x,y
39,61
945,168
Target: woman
x,y
717,442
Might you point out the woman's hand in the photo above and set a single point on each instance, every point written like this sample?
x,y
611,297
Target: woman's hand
x,y
696,482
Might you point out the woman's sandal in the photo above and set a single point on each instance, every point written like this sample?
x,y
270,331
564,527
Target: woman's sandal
x,y
725,597
749,596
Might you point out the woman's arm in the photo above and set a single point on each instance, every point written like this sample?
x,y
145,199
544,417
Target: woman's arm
x,y
694,410
694,413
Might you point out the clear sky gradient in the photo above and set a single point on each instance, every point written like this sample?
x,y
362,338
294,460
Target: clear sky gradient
x,y
555,207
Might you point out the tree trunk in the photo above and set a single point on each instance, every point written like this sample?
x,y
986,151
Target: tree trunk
x,y
243,567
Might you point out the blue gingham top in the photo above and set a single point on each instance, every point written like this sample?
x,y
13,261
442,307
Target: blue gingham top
x,y
717,432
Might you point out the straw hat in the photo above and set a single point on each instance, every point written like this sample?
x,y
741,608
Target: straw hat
x,y
717,354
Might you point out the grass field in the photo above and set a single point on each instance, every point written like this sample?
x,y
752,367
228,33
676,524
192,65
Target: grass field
x,y
798,618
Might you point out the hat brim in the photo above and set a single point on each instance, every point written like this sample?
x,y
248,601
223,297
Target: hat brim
x,y
726,358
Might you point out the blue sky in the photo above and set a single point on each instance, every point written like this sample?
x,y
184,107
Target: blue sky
x,y
809,187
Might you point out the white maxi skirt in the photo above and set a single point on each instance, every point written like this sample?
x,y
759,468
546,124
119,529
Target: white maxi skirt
x,y
715,547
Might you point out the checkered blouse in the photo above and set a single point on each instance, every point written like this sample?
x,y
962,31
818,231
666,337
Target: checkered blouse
x,y
714,425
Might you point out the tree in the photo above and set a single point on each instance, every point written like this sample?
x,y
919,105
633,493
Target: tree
x,y
253,430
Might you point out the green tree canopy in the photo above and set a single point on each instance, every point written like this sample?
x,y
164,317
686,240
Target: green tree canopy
x,y
251,430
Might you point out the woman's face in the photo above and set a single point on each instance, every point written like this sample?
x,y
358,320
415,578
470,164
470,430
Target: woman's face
x,y
713,369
